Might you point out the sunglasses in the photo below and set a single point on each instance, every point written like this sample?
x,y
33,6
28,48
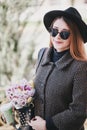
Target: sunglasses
x,y
63,34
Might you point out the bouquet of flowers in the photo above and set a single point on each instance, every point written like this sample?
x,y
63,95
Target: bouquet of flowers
x,y
21,94
21,97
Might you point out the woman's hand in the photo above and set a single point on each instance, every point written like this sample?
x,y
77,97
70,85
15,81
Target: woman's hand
x,y
38,123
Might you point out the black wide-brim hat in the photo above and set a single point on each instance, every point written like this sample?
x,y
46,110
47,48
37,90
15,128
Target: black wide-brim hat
x,y
70,13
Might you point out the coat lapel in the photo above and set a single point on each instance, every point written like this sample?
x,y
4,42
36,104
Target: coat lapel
x,y
63,62
47,57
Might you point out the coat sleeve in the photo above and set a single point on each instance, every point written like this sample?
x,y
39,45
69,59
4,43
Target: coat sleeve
x,y
73,118
50,125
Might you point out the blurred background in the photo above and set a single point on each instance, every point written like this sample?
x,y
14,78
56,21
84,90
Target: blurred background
x,y
22,34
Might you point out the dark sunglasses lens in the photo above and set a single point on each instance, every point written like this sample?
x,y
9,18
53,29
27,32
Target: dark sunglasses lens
x,y
64,34
54,32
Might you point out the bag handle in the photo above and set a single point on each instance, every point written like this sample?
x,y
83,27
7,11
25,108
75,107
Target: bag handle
x,y
40,55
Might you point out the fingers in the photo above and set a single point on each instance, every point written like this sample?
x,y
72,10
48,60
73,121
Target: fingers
x,y
31,121
30,124
37,123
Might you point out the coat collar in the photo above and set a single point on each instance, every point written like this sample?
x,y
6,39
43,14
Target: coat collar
x,y
61,63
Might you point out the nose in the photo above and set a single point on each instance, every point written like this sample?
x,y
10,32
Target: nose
x,y
58,35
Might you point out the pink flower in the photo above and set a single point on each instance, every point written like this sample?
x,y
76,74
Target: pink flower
x,y
18,94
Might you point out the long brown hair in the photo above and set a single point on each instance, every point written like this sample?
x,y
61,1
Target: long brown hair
x,y
77,49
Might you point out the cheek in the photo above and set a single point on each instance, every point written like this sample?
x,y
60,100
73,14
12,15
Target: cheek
x,y
69,39
68,42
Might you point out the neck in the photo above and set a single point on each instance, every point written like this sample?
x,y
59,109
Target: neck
x,y
57,55
61,50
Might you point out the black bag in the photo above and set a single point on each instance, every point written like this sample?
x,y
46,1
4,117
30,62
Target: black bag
x,y
40,55
25,114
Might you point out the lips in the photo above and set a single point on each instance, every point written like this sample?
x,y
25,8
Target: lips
x,y
58,42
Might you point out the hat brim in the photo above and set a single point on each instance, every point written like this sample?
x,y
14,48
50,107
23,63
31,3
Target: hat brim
x,y
50,16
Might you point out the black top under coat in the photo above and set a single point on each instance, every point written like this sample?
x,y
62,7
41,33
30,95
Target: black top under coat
x,y
57,55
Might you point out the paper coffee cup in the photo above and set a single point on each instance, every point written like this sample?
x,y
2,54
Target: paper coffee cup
x,y
6,110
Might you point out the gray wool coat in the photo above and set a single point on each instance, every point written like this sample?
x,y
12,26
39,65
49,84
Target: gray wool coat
x,y
61,91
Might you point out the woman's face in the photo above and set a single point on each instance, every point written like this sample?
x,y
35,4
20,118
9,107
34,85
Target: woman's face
x,y
60,41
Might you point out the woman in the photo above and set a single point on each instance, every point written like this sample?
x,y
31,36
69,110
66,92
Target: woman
x,y
61,78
